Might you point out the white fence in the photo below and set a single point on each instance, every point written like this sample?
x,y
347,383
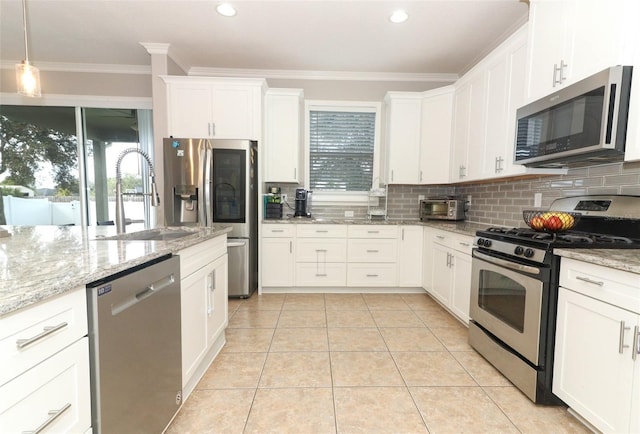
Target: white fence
x,y
32,212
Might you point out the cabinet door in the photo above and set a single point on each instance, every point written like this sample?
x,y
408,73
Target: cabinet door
x,y
441,288
194,304
404,140
592,374
233,110
461,265
477,127
217,298
496,130
460,144
282,137
435,144
190,109
277,262
550,39
56,390
427,259
410,256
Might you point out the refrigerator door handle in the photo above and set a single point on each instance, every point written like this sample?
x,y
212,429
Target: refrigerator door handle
x,y
202,212
207,187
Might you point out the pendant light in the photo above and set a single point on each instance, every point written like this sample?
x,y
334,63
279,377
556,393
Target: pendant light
x,y
27,75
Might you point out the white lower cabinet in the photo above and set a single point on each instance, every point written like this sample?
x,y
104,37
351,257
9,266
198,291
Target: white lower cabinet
x,y
321,252
451,271
277,255
204,307
44,367
372,256
53,396
597,365
410,256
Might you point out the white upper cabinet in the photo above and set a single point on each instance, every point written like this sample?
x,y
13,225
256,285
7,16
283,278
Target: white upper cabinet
x,y
220,108
572,39
460,144
283,120
404,116
435,142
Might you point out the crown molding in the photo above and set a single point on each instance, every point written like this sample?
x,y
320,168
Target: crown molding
x,y
322,75
98,101
84,67
156,47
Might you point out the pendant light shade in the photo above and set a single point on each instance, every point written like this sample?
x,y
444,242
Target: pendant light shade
x,y
27,75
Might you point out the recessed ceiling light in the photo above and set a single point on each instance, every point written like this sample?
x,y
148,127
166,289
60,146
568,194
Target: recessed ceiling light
x,y
226,9
399,16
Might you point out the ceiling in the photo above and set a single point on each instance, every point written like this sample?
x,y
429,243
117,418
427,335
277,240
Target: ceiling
x,y
346,36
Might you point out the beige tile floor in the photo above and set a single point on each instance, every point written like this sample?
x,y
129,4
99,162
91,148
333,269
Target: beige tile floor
x,y
355,363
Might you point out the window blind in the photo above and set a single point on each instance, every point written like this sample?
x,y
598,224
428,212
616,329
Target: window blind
x,y
341,150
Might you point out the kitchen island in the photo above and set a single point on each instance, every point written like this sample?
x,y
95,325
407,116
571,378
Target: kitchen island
x,y
39,262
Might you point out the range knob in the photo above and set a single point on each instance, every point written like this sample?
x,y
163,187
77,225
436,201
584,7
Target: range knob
x,y
519,250
480,241
528,253
486,243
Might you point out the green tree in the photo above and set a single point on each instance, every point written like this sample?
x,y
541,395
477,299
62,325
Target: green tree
x,y
24,146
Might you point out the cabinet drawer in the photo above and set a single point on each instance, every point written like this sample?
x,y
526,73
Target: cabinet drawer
x,y
321,250
457,242
373,231
278,231
372,275
41,330
59,384
195,257
326,274
363,250
321,231
619,288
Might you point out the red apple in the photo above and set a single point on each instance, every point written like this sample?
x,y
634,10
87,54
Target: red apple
x,y
553,223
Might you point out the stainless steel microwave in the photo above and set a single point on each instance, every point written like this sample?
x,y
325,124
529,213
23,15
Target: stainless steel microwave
x,y
442,209
581,124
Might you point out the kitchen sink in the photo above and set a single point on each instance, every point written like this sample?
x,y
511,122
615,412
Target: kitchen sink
x,y
150,235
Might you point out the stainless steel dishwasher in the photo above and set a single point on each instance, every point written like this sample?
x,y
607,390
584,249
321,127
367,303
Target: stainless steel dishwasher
x,y
135,350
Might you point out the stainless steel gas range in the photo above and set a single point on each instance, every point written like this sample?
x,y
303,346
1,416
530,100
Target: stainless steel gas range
x,y
514,286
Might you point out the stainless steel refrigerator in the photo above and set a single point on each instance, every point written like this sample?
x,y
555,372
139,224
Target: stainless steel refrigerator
x,y
210,181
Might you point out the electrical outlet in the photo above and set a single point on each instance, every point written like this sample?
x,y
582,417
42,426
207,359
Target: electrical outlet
x,y
469,200
537,200
420,197
348,213
284,197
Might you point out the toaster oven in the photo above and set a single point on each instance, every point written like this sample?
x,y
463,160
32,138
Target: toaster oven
x,y
442,209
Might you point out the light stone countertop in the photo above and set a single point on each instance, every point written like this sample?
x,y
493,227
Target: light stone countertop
x,y
618,259
38,262
460,227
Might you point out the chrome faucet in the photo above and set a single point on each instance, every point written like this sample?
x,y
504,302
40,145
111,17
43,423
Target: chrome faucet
x,y
155,198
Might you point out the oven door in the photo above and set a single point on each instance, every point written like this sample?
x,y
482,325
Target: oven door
x,y
507,300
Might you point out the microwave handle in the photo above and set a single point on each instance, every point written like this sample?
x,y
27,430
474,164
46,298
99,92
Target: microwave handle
x,y
506,264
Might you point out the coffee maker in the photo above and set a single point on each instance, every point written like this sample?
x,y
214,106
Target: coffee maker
x,y
303,203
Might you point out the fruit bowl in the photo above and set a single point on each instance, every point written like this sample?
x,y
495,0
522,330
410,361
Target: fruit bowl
x,y
550,221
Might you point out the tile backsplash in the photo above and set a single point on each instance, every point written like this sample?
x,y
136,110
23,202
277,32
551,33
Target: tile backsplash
x,y
499,202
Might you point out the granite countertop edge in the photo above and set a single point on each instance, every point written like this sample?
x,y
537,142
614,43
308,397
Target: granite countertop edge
x,y
76,257
461,227
618,259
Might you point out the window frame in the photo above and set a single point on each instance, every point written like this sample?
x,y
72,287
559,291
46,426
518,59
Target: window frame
x,y
336,197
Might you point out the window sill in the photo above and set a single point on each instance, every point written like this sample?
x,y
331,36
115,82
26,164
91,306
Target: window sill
x,y
339,198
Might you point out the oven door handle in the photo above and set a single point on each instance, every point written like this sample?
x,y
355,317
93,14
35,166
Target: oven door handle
x,y
506,264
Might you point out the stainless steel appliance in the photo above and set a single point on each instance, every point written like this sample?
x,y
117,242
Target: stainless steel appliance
x,y
135,349
514,286
446,208
303,203
215,181
583,123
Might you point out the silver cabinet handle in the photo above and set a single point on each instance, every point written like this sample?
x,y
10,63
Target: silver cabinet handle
x,y
372,275
321,274
46,331
391,174
295,172
562,66
372,251
421,176
318,231
451,264
213,128
593,282
321,250
277,230
53,415
402,234
440,237
373,232
290,246
463,244
636,344
621,345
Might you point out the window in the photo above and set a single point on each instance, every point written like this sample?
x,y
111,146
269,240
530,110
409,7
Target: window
x,y
342,149
46,178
